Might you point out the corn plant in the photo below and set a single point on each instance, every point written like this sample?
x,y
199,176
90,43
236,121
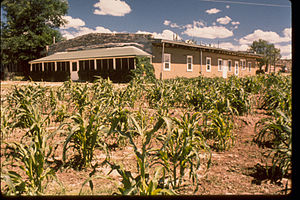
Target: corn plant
x,y
277,135
181,150
218,128
83,136
31,158
21,101
142,184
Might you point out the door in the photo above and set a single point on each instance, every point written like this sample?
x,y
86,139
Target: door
x,y
74,71
225,68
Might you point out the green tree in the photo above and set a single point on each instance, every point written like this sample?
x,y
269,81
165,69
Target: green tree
x,y
269,52
28,27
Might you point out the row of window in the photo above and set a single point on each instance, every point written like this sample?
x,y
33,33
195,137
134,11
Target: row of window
x,y
221,63
87,65
50,67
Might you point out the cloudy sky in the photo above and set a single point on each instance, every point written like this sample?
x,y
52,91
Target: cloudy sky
x,y
231,24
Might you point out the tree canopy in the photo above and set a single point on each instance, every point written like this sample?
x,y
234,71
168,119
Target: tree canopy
x,y
28,27
268,50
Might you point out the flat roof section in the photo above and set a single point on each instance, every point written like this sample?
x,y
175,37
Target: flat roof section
x,y
93,53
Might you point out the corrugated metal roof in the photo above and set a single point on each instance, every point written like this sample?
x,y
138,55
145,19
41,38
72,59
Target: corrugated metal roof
x,y
94,53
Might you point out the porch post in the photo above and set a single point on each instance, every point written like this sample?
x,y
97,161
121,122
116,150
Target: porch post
x,y
55,66
114,63
162,60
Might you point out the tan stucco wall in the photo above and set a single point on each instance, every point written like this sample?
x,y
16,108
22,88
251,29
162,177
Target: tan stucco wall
x,y
179,63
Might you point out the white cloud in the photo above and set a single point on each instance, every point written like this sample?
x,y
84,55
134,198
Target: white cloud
x,y
213,11
287,32
166,34
112,7
72,22
269,36
209,32
174,25
230,46
84,30
224,20
167,22
235,23
285,50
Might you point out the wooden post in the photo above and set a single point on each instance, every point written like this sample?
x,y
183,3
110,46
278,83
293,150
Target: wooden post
x,y
162,60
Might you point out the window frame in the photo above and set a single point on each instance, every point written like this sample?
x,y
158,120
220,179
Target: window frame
x,y
236,68
220,66
169,62
187,63
243,64
229,68
208,58
249,66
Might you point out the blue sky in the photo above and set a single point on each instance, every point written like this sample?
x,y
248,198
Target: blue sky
x,y
233,24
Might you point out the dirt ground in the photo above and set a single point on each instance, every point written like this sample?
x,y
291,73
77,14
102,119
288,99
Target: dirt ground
x,y
237,171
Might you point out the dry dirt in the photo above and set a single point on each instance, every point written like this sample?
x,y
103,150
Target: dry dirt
x,y
237,171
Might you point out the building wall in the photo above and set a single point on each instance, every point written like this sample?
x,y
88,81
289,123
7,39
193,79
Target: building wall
x,y
179,63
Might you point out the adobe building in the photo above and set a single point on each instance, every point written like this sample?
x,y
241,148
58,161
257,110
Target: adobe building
x,y
113,55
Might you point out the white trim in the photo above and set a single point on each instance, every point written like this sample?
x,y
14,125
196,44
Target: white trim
x,y
243,64
208,58
114,63
220,66
229,69
187,63
55,66
168,55
236,68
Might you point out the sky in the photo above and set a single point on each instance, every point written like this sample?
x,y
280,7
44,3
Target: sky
x,y
228,24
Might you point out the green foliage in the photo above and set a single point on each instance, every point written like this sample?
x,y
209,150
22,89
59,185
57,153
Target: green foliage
x,y
144,70
128,126
171,126
183,150
30,158
29,27
83,136
269,52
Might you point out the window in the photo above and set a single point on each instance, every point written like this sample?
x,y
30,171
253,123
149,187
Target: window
x,y
99,65
208,64
74,66
243,64
236,68
229,65
249,66
220,63
167,62
92,65
189,62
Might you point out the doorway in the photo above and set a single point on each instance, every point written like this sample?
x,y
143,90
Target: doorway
x,y
225,68
74,71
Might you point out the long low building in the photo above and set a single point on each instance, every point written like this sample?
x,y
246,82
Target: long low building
x,y
114,62
113,56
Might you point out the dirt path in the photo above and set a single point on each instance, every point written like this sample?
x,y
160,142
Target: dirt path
x,y
240,170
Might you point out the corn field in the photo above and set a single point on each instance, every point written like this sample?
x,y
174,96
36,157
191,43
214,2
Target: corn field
x,y
172,127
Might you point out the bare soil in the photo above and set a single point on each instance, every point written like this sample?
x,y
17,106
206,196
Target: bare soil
x,y
239,170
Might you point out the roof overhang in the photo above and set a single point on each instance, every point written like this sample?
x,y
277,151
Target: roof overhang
x,y
206,48
126,51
